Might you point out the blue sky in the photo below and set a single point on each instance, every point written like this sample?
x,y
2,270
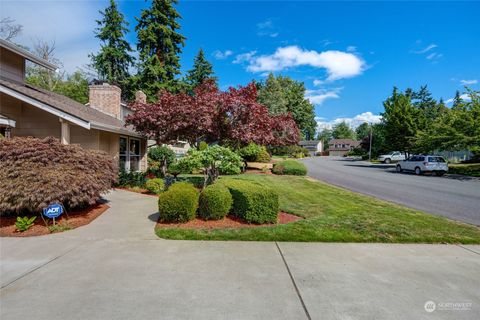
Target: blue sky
x,y
349,54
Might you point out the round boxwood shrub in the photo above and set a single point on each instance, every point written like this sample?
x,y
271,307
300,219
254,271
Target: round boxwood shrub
x,y
179,203
252,202
263,156
215,202
155,185
290,167
37,172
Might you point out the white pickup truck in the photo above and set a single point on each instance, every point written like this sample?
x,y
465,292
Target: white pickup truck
x,y
392,156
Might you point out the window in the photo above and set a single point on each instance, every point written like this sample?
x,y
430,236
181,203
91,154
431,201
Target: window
x,y
436,159
123,154
134,154
129,154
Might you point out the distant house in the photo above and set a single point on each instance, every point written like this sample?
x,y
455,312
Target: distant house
x,y
26,110
313,146
340,147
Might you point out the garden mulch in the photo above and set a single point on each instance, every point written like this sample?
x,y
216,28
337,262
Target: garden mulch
x,y
229,222
76,218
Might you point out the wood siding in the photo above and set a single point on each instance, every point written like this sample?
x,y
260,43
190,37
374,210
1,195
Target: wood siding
x,y
12,66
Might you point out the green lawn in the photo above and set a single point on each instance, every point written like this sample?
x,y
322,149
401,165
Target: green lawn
x,y
336,215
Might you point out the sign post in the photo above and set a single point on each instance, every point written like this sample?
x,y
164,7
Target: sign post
x,y
53,211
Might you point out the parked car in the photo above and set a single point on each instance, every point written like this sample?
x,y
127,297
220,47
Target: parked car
x,y
392,156
424,163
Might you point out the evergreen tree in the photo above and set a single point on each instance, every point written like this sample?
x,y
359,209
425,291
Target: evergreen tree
x,y
325,136
272,95
362,130
201,71
400,122
457,101
342,131
282,95
159,46
113,59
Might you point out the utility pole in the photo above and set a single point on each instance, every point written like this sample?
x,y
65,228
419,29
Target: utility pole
x,y
370,141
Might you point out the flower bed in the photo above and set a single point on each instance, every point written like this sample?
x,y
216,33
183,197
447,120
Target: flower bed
x,y
77,218
229,222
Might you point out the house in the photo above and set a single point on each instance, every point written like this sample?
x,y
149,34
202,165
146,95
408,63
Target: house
x,y
26,110
340,147
313,146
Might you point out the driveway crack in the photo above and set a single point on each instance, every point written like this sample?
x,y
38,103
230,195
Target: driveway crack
x,y
294,283
40,266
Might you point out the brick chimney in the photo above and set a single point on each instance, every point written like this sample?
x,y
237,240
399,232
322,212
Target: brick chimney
x,y
106,98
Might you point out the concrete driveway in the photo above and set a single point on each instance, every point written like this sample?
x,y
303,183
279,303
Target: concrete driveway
x,y
116,268
452,196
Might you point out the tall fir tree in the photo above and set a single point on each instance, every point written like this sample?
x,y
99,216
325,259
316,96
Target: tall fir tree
x,y
283,94
400,122
271,94
201,71
159,45
457,101
113,60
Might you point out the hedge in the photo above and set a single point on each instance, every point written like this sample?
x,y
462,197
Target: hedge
x,y
156,185
179,203
35,173
215,202
290,167
252,202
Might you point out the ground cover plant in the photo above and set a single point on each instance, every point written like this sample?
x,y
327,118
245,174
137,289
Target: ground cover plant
x,y
37,172
336,215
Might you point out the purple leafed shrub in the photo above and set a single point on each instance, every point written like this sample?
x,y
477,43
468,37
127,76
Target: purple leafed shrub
x,y
37,172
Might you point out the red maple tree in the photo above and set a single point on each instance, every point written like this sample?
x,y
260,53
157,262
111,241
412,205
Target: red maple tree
x,y
232,117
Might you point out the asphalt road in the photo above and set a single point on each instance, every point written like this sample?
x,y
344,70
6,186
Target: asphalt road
x,y
452,196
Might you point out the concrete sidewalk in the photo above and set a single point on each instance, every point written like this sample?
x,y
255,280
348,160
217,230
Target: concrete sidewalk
x,y
95,273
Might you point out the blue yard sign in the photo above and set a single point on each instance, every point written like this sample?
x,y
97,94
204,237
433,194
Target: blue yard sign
x,y
53,211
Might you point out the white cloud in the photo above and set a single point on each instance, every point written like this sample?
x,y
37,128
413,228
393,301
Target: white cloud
x,y
425,49
468,82
353,122
338,64
267,28
69,23
244,57
318,97
221,55
351,48
318,82
464,97
434,56
428,52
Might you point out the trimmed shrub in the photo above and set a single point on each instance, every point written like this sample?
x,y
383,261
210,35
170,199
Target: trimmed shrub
x,y
252,202
155,185
179,203
263,156
290,167
37,172
250,152
202,145
158,160
215,202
